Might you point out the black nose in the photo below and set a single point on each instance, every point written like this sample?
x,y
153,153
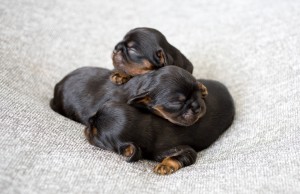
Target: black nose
x,y
195,107
119,47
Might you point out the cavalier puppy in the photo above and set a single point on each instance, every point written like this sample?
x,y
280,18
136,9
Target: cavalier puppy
x,y
143,50
136,134
170,92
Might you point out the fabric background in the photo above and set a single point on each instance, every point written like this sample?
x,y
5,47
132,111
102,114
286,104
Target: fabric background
x,y
253,47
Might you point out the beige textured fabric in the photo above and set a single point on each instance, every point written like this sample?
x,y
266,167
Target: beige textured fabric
x,y
251,46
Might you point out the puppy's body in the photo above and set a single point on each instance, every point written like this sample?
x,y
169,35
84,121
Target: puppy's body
x,y
117,125
87,96
169,92
87,86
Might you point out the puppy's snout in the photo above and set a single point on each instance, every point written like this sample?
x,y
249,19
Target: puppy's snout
x,y
195,107
119,47
197,110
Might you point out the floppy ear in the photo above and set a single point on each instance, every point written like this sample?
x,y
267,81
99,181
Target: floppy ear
x,y
169,60
161,56
140,100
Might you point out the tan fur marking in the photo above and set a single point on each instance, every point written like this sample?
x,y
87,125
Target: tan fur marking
x,y
203,90
128,151
146,100
167,166
94,131
88,136
119,78
161,57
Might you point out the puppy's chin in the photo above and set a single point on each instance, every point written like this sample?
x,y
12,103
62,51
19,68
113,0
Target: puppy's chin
x,y
130,67
188,118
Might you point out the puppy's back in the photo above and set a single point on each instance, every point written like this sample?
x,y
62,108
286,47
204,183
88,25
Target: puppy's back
x,y
74,95
219,115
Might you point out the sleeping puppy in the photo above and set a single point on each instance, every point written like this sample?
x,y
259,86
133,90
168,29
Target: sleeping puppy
x,y
170,92
135,134
143,50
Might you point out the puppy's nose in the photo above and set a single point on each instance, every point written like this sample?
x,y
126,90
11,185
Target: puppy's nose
x,y
195,107
197,110
119,47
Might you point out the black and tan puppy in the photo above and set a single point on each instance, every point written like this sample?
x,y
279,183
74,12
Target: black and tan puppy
x,y
170,92
143,50
135,134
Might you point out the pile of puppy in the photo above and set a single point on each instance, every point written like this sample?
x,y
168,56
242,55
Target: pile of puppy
x,y
150,106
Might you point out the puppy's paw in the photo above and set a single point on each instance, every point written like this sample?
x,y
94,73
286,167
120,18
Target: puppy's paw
x,y
167,166
119,79
131,152
128,151
203,90
163,169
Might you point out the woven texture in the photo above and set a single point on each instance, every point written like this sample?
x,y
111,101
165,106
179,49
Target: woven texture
x,y
253,47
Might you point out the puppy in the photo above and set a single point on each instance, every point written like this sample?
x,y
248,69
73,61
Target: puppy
x,y
135,134
143,50
170,92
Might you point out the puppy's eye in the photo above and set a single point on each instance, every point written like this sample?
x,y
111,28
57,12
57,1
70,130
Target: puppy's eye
x,y
175,105
130,44
132,51
181,98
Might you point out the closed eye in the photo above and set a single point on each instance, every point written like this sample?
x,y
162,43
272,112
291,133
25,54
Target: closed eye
x,y
132,50
175,105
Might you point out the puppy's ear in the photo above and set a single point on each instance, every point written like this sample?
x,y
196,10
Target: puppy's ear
x,y
170,60
140,100
161,57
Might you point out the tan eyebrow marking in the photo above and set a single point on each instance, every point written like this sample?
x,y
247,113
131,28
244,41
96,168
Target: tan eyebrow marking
x,y
130,44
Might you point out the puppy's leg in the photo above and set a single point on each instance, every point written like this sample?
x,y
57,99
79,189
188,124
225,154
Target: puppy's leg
x,y
174,159
119,78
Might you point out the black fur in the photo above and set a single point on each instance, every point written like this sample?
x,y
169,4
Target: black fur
x,y
170,92
142,50
87,97
118,123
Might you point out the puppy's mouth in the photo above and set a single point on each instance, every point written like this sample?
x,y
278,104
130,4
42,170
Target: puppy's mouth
x,y
190,118
118,59
187,118
122,63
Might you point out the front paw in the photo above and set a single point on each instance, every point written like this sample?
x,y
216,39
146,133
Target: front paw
x,y
167,166
128,151
162,169
203,90
118,78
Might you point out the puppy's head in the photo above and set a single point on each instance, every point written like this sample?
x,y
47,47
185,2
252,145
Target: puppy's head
x,y
173,94
141,50
109,129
